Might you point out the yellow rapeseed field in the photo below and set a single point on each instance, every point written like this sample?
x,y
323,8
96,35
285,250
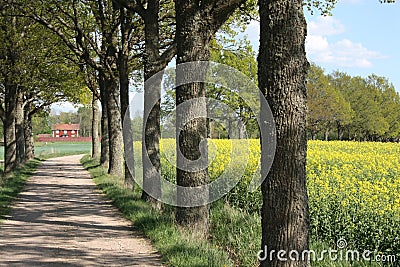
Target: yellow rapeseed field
x,y
354,193
353,187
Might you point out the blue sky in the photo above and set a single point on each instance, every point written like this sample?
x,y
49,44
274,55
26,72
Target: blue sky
x,y
360,38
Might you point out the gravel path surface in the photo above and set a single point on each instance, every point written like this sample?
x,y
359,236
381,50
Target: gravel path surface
x,y
60,219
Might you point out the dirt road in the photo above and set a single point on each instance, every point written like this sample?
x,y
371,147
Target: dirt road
x,y
60,219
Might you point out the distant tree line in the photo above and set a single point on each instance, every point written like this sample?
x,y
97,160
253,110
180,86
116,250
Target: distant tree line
x,y
83,116
344,107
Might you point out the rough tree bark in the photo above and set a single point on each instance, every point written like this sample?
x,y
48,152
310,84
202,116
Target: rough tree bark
x,y
196,24
282,77
10,146
19,128
29,143
10,83
108,20
155,60
123,67
95,128
116,154
152,105
105,152
192,45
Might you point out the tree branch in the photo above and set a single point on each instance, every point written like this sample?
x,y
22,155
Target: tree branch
x,y
132,6
168,54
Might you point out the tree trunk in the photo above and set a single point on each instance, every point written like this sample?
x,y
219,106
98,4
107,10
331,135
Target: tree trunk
x,y
105,152
326,135
242,130
10,147
152,107
193,44
230,129
341,135
313,135
282,77
29,143
208,125
19,128
95,128
151,145
116,148
339,130
195,27
123,67
110,80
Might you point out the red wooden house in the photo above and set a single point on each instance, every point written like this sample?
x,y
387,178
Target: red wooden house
x,y
65,130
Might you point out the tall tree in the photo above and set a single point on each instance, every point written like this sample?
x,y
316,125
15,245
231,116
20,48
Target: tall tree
x,y
41,76
12,31
282,76
195,27
364,97
127,24
159,48
95,128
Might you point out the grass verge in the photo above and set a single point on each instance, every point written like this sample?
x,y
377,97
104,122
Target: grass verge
x,y
177,247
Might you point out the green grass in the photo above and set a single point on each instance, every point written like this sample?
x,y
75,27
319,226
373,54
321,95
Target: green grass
x,y
58,148
237,232
178,247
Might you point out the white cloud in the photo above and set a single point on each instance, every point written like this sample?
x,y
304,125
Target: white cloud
x,y
325,26
317,43
320,47
58,107
343,53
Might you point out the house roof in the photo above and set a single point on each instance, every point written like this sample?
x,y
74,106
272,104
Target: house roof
x,y
63,127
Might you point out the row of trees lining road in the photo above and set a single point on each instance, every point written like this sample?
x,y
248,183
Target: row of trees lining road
x,y
352,108
34,73
108,40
